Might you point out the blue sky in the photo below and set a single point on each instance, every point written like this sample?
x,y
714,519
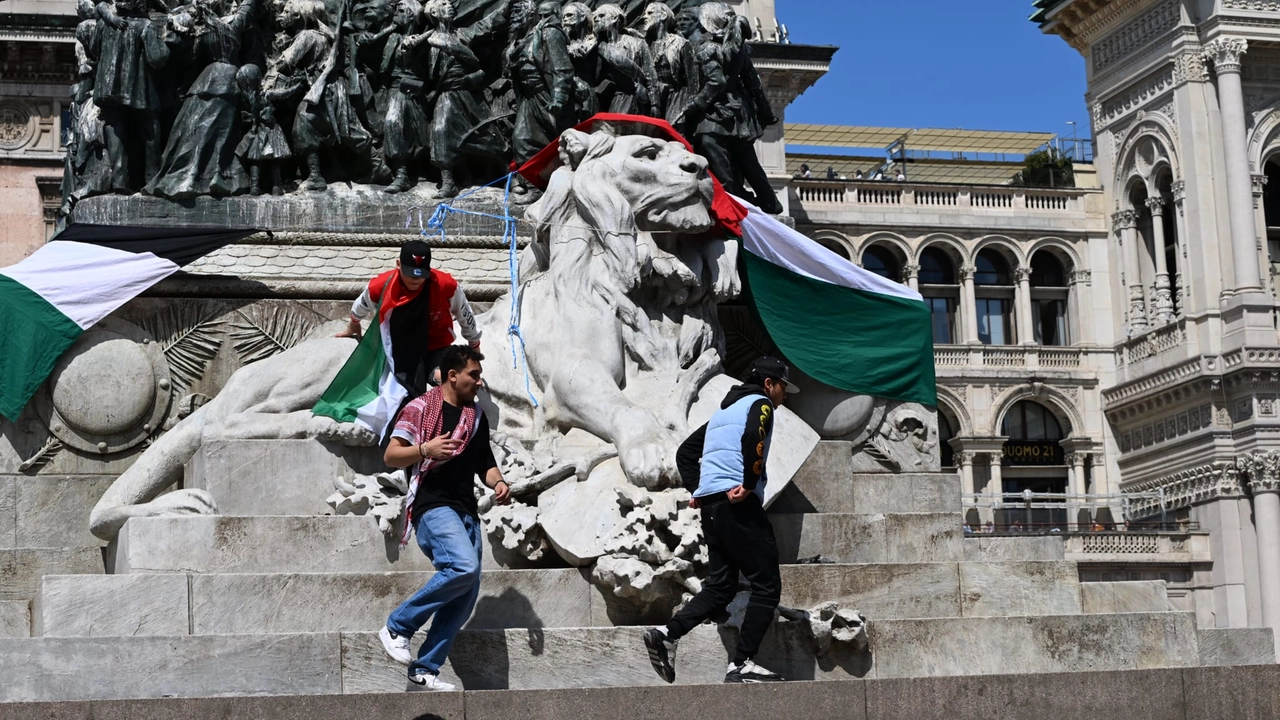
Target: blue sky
x,y
973,64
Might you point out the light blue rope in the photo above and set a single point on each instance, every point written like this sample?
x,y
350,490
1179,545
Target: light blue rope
x,y
437,223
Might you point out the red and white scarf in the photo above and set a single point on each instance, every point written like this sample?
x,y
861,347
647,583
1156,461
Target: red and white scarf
x,y
428,426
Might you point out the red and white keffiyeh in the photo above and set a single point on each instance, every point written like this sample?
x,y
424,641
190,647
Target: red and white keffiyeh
x,y
423,419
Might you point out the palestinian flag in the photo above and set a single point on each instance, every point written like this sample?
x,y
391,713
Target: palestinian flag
x,y
840,324
365,391
78,278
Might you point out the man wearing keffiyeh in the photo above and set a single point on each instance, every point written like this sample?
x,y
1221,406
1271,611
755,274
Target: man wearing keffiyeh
x,y
443,436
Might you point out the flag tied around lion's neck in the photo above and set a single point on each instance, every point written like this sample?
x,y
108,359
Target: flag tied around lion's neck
x,y
726,211
838,323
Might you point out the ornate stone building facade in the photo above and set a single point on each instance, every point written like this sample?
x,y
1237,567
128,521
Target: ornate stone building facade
x,y
1186,124
37,65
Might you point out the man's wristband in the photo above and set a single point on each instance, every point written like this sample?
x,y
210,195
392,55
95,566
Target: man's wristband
x,y
421,451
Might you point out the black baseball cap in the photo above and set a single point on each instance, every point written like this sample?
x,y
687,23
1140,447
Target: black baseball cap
x,y
415,258
772,367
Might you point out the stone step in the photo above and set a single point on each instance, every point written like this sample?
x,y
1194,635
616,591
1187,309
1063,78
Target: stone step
x,y
347,543
15,619
1016,549
871,538
49,510
22,568
1159,694
330,663
276,477
825,484
216,604
1236,646
1123,597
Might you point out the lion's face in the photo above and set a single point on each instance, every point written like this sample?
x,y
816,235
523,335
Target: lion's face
x,y
667,186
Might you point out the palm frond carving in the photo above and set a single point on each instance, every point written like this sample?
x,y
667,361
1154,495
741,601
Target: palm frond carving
x,y
191,336
745,339
259,332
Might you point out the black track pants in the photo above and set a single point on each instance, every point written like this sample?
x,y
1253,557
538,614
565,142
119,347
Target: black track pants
x,y
739,539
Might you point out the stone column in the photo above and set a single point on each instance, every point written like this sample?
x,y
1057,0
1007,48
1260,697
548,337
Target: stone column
x,y
1164,299
1026,335
995,486
1076,490
1125,224
964,460
1180,289
969,304
1263,469
1225,55
913,276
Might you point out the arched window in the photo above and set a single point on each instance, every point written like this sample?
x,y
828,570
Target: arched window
x,y
835,247
994,293
1029,420
1049,299
882,262
945,433
937,280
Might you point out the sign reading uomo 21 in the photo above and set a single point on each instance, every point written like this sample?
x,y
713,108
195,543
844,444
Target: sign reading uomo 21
x,y
1032,452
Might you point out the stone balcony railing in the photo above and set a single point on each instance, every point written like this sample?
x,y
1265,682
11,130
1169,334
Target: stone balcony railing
x,y
1137,547
1017,205
1030,357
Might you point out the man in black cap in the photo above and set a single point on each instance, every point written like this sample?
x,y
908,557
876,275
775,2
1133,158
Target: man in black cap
x,y
416,306
723,465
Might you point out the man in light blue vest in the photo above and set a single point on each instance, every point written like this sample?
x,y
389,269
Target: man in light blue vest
x,y
723,464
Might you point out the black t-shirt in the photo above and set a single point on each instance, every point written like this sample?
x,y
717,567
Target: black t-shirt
x,y
452,484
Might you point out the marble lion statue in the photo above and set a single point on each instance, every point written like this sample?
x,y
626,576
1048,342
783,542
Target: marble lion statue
x,y
617,309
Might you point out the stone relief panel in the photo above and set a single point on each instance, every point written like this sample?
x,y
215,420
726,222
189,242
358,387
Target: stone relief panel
x,y
1140,94
1135,35
1166,429
1255,5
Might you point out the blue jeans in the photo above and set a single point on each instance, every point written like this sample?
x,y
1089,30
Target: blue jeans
x,y
451,539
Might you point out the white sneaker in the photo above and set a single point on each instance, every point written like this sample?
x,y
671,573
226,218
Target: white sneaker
x,y
429,682
749,672
397,647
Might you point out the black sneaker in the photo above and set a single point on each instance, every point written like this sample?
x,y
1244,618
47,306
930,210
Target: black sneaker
x,y
662,654
749,672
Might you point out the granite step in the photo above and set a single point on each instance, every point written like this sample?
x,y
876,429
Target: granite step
x,y
825,484
1126,596
15,619
544,658
1159,694
231,603
871,538
22,568
347,543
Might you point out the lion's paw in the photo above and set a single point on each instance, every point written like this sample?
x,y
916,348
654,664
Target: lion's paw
x,y
648,460
324,428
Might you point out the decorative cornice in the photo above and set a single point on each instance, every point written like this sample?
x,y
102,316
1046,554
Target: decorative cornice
x,y
1225,53
1255,5
1262,469
1188,487
1142,93
1134,36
